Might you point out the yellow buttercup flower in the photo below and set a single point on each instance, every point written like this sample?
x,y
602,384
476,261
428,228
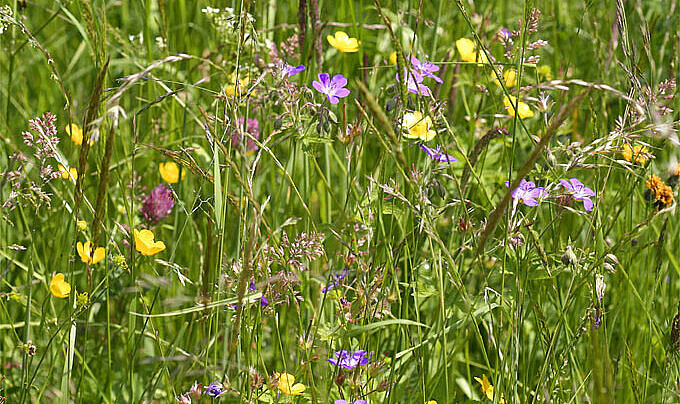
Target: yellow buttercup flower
x,y
523,109
230,88
418,127
393,58
71,174
170,172
431,402
288,386
342,42
509,77
635,154
76,133
466,48
87,255
59,287
145,244
81,224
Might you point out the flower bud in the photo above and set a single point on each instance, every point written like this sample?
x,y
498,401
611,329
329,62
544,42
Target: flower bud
x,y
569,258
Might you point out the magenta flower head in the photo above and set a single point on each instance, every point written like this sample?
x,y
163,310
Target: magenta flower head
x,y
253,128
527,192
350,360
438,155
414,82
426,69
579,192
158,204
333,89
353,402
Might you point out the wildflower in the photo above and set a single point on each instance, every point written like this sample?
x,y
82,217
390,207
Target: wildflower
x,y
636,154
426,69
523,109
352,402
145,244
414,82
527,192
466,48
438,155
336,281
579,192
289,70
59,287
158,204
170,172
76,134
487,388
195,391
183,399
569,258
342,42
350,360
662,193
253,129
393,58
509,78
230,89
71,174
82,225
333,89
83,299
87,255
288,386
214,389
431,402
417,127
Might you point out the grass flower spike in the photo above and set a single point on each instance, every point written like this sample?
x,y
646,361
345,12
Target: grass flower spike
x,y
145,244
342,42
288,386
523,109
59,287
416,126
333,89
170,172
87,255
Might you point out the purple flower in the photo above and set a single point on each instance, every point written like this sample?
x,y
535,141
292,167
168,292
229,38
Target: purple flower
x,y
336,281
527,192
289,70
349,360
214,389
158,204
252,127
333,89
438,155
413,82
426,69
579,192
353,402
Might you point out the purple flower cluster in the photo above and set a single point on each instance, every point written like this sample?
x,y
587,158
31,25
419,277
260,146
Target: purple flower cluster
x,y
350,360
158,204
214,389
336,281
531,195
416,75
333,89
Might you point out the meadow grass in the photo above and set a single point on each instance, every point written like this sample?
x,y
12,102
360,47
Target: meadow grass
x,y
294,228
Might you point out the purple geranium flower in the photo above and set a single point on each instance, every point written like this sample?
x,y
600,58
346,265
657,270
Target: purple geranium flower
x,y
214,389
253,129
350,360
527,192
333,89
336,281
438,155
289,70
414,82
579,192
158,204
353,402
426,68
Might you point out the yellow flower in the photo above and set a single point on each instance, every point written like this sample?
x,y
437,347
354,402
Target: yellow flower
x,y
635,154
342,42
230,89
145,244
81,224
487,388
287,386
545,72
509,77
417,127
466,48
524,110
170,172
71,174
431,402
59,287
87,255
76,133
393,58
662,192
